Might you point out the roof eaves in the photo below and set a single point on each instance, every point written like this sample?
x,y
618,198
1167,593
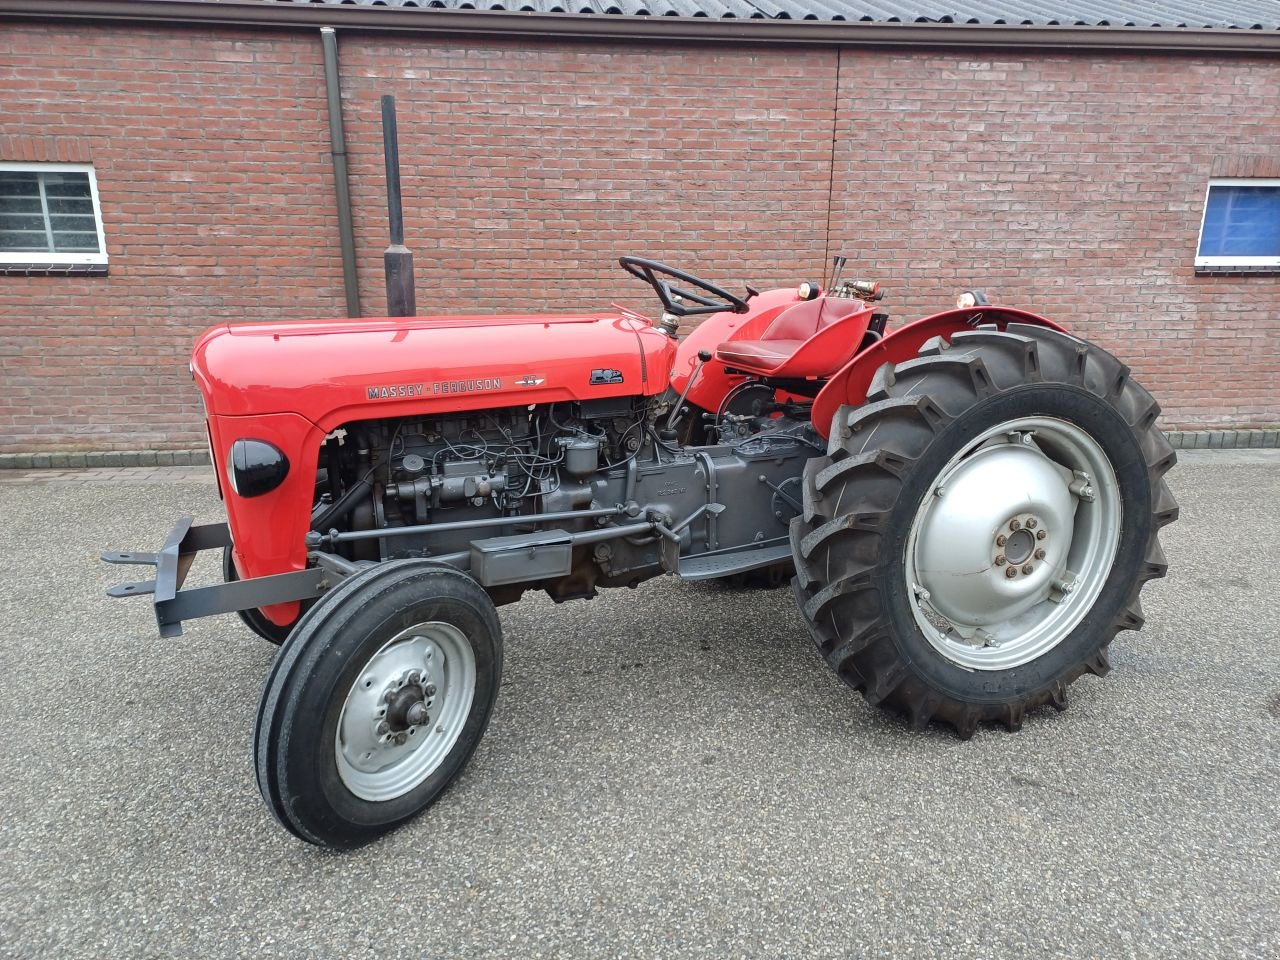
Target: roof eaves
x,y
594,26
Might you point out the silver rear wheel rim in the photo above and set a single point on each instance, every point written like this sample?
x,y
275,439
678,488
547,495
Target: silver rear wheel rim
x,y
1035,495
381,755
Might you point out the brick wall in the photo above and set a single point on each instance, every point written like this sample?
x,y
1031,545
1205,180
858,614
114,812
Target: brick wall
x,y
1071,185
528,170
211,155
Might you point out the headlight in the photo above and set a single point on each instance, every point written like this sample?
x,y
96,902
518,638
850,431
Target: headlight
x,y
256,467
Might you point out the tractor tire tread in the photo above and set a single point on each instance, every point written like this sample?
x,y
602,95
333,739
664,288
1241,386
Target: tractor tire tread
x,y
287,675
873,447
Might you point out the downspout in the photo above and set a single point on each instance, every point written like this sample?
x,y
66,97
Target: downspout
x,y
338,150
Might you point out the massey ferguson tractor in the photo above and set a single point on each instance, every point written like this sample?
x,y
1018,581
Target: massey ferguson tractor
x,y
968,507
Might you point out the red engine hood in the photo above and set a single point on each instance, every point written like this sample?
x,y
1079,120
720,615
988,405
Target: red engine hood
x,y
335,372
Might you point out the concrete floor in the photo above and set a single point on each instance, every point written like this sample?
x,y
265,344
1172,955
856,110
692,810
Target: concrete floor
x,y
670,772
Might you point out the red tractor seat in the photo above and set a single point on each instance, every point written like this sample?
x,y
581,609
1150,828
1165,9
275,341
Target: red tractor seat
x,y
811,340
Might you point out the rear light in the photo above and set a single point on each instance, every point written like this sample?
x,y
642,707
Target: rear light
x,y
255,467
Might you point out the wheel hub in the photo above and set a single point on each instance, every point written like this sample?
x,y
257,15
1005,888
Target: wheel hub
x,y
1014,543
405,710
407,706
977,546
1018,547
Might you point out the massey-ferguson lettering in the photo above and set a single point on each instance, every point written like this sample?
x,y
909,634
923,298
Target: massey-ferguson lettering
x,y
400,390
966,507
448,386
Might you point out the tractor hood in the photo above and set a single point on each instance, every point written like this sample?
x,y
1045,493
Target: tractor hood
x,y
335,372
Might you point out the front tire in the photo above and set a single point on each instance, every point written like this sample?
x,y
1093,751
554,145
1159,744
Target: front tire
x,y
981,528
376,702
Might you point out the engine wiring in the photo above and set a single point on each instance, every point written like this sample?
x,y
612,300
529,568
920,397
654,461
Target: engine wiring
x,y
526,445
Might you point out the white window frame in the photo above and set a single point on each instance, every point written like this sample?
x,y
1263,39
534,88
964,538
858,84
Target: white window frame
x,y
1233,261
49,258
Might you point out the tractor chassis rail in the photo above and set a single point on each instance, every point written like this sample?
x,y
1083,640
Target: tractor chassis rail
x,y
494,561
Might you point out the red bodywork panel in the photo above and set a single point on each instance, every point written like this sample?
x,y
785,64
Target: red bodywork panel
x,y
844,323
326,370
850,385
292,384
713,383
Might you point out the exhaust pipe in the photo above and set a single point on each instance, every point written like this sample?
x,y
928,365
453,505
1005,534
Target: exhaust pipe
x,y
397,260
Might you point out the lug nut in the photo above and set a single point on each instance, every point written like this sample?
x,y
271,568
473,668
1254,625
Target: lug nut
x,y
429,690
1027,569
1039,554
1001,561
384,727
1031,523
1001,540
1041,534
1011,572
1015,525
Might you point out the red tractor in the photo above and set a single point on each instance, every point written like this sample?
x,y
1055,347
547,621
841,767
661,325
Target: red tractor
x,y
968,506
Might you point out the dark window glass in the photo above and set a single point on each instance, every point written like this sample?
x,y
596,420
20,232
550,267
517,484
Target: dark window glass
x,y
1241,221
47,212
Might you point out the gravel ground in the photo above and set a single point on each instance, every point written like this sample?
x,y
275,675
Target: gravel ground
x,y
670,772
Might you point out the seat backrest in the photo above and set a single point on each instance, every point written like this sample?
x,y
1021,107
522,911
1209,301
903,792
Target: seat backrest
x,y
795,323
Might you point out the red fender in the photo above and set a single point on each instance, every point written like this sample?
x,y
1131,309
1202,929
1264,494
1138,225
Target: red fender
x,y
850,385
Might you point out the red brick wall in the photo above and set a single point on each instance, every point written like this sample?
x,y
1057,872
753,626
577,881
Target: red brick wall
x,y
528,170
211,155
1071,185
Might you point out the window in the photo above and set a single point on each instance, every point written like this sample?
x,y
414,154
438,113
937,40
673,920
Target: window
x,y
1241,227
50,220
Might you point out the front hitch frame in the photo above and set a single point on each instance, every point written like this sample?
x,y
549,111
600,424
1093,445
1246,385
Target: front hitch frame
x,y
173,605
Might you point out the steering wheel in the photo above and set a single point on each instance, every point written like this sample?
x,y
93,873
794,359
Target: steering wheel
x,y
712,299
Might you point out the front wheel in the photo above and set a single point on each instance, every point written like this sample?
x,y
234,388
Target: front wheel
x,y
981,528
376,701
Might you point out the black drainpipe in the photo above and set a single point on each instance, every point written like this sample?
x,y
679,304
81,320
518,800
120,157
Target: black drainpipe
x,y
338,149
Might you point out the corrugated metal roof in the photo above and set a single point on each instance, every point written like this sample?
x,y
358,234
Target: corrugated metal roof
x,y
1159,14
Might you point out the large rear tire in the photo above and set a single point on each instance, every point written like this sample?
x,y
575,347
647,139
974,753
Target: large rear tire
x,y
376,701
981,528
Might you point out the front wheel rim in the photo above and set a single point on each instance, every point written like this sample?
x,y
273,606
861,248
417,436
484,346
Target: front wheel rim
x,y
405,711
1013,543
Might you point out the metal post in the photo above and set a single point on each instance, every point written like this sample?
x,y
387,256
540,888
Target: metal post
x,y
401,300
338,149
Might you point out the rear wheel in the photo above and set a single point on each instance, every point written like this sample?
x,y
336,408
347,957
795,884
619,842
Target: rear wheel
x,y
377,701
981,528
